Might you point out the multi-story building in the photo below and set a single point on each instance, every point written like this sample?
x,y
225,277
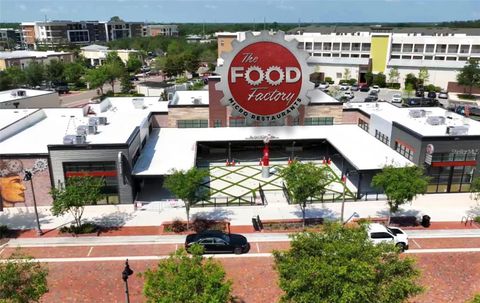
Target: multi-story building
x,y
10,38
336,49
23,58
97,54
152,30
121,29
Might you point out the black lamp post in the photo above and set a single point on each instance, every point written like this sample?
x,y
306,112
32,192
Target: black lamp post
x,y
29,177
293,149
127,271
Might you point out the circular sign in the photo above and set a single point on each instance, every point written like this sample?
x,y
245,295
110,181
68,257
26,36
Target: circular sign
x,y
265,77
430,149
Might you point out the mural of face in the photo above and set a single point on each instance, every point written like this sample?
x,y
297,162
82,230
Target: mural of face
x,y
12,190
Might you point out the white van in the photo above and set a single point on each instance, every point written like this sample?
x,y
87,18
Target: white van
x,y
379,233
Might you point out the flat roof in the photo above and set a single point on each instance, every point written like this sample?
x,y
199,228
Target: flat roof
x,y
190,97
29,54
9,116
318,96
402,116
22,93
50,125
175,148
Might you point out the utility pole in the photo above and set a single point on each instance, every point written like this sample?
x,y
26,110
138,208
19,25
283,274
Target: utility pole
x,y
264,23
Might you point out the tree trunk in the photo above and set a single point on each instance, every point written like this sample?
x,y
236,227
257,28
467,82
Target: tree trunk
x,y
112,83
303,206
389,217
187,208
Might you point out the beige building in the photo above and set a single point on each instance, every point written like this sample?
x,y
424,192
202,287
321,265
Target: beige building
x,y
152,30
98,53
23,58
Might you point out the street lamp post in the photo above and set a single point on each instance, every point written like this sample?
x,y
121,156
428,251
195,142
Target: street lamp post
x,y
127,271
344,179
293,148
29,177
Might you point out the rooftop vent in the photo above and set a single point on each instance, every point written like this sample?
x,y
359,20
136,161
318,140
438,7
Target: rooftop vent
x,y
93,121
460,130
21,93
417,113
138,103
69,139
82,130
102,120
436,120
197,100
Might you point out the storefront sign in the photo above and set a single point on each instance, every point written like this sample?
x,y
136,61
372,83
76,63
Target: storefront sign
x,y
428,154
473,151
265,78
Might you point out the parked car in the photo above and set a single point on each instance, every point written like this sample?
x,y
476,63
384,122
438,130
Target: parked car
x,y
364,88
378,233
422,102
215,241
373,93
419,93
443,95
348,95
371,98
61,87
376,88
344,86
431,95
354,88
323,85
397,98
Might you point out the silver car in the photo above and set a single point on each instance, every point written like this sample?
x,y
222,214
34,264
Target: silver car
x,y
397,98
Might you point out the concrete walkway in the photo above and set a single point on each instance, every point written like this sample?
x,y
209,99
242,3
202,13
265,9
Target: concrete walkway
x,y
440,207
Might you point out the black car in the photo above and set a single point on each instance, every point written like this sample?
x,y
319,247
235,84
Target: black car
x,y
373,93
371,98
432,95
421,102
364,88
219,242
419,93
354,88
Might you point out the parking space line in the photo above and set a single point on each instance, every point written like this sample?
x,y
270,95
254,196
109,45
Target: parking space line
x,y
90,251
413,240
176,247
1,251
258,248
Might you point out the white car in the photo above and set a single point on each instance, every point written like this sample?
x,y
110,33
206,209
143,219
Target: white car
x,y
323,85
376,88
397,98
344,86
348,95
379,233
443,95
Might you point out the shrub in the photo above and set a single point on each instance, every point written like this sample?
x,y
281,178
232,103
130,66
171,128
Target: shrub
x,y
344,81
329,80
477,219
200,225
85,228
4,231
352,81
466,97
430,88
393,85
178,226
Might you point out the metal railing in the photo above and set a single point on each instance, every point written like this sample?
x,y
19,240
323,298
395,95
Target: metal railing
x,y
229,201
467,219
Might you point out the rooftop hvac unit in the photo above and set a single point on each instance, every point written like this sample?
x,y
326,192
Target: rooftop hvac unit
x,y
92,129
197,101
138,103
93,120
102,120
417,113
436,120
69,139
82,130
21,93
79,139
459,130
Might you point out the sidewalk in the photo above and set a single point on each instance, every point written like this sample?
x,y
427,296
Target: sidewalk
x,y
440,207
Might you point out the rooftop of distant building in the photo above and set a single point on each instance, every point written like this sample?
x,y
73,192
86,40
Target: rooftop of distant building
x,y
29,54
22,93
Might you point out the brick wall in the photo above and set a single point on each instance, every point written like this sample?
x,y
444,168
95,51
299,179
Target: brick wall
x,y
454,87
335,111
186,113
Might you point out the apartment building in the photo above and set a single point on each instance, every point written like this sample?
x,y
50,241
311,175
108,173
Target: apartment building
x,y
168,30
10,38
23,58
335,49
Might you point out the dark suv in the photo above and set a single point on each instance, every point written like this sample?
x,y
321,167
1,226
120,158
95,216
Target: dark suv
x,y
215,241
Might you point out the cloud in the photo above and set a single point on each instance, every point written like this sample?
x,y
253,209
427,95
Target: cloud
x,y
211,6
22,7
286,7
45,10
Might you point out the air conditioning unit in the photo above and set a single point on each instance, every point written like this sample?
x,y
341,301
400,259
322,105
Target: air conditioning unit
x,y
21,93
436,120
82,130
102,120
92,129
417,113
80,139
93,120
69,139
138,103
197,100
459,130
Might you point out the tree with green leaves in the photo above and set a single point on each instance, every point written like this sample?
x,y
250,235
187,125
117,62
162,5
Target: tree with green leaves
x,y
469,75
54,72
113,70
74,72
22,279
347,74
475,189
34,74
341,264
191,62
5,81
304,181
423,75
380,79
96,78
400,185
187,279
411,79
77,193
16,75
393,75
187,186
369,78
126,83
475,299
134,64
408,89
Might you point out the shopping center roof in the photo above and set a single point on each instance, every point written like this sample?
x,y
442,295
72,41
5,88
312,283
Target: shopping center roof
x,y
422,125
9,116
48,126
172,148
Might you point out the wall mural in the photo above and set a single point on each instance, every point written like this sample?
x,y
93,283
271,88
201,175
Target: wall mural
x,y
14,191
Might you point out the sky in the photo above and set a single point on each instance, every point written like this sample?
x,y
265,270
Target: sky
x,y
212,11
